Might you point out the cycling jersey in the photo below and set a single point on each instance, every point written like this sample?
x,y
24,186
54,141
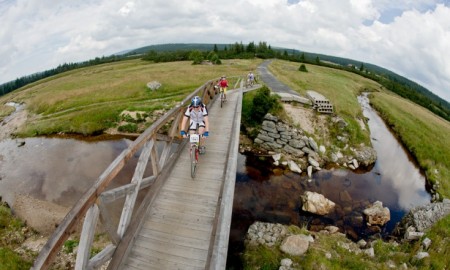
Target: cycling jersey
x,y
196,117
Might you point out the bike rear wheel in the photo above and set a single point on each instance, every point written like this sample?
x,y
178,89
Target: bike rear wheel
x,y
221,100
194,161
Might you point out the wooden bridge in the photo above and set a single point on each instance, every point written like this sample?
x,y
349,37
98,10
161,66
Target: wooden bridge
x,y
178,222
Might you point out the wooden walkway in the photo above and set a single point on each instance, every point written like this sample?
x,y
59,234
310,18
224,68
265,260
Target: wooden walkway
x,y
178,230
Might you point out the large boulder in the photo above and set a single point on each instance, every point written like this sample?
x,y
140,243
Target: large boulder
x,y
377,214
366,156
316,203
295,245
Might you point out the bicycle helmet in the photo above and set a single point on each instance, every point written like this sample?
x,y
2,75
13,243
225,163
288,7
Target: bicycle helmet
x,y
196,101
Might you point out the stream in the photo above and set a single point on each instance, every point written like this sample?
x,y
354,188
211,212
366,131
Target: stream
x,y
60,170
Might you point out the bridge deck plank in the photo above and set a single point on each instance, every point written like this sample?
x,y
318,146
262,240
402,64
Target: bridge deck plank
x,y
178,226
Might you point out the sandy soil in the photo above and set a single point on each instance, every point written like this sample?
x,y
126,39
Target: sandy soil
x,y
42,216
307,119
12,123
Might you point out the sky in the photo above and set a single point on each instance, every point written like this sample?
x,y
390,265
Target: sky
x,y
408,37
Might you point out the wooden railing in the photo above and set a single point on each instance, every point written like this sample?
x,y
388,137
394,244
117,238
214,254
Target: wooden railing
x,y
92,206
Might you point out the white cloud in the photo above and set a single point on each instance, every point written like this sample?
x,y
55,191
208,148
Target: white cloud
x,y
411,39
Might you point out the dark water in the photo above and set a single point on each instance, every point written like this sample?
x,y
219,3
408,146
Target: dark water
x,y
263,195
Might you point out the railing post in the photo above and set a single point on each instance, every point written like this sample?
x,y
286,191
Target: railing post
x,y
87,236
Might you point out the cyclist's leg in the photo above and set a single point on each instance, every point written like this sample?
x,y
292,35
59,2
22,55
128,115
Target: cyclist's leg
x,y
225,92
201,130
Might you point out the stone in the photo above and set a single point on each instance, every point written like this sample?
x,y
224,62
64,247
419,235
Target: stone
x,y
421,255
312,143
316,203
377,214
313,162
154,85
294,167
294,245
309,169
276,157
322,149
426,243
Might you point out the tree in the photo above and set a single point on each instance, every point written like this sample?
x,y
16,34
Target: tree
x,y
251,48
196,56
317,60
302,57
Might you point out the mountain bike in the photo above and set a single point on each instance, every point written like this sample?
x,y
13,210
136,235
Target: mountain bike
x,y
194,151
222,97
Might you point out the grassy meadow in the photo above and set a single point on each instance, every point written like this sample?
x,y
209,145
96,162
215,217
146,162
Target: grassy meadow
x,y
89,100
340,87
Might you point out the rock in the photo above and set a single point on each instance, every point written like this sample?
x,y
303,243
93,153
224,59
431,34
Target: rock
x,y
309,169
294,167
377,214
313,144
286,262
426,243
276,157
365,156
295,245
413,235
154,85
421,255
322,149
313,162
271,117
370,252
423,217
316,203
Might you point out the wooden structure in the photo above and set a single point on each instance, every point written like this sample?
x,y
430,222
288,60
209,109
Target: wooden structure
x,y
161,174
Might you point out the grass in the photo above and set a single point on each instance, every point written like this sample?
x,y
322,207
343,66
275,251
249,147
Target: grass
x,y
11,236
89,100
337,252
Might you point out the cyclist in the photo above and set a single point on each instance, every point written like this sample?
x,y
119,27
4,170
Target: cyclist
x,y
223,84
250,78
198,115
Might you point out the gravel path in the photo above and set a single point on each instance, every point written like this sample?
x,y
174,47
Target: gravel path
x,y
267,77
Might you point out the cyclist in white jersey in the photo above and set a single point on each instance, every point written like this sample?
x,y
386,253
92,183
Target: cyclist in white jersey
x,y
198,115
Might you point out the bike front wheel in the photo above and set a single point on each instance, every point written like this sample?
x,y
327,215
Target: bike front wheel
x,y
194,161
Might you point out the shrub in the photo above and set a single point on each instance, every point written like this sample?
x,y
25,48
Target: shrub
x,y
263,102
302,68
130,127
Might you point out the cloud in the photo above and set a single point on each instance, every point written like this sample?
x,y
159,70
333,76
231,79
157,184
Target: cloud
x,y
410,39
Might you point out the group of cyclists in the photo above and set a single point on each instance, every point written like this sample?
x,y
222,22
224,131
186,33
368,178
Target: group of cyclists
x,y
197,113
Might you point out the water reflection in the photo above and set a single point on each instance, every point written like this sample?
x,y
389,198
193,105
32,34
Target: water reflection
x,y
394,163
53,169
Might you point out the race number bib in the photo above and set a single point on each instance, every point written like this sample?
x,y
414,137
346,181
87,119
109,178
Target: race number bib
x,y
194,138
